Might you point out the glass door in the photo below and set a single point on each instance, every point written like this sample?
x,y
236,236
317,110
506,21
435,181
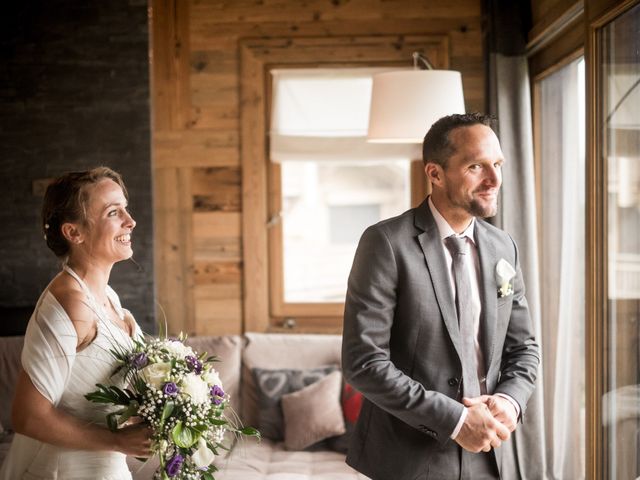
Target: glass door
x,y
615,328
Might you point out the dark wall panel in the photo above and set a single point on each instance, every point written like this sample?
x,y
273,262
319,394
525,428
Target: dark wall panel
x,y
74,93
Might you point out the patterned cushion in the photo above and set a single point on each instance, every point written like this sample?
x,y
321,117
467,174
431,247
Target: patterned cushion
x,y
272,385
280,350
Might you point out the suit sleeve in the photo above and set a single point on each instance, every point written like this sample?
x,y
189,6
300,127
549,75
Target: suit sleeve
x,y
521,353
366,360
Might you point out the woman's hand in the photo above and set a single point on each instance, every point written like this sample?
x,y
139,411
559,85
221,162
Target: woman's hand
x,y
134,440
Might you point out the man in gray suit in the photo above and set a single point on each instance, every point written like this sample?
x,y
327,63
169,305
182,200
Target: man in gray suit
x,y
437,333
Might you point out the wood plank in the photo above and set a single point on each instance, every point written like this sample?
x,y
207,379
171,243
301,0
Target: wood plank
x,y
220,249
218,272
215,117
199,148
224,36
218,291
212,225
170,63
254,192
216,189
172,240
323,11
219,316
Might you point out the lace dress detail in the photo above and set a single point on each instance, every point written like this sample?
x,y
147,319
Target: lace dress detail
x,y
64,376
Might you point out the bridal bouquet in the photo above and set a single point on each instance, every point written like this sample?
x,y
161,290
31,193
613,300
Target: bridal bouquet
x,y
179,395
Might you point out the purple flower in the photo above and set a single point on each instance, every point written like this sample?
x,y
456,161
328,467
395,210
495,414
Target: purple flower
x,y
174,465
170,389
216,394
139,360
194,364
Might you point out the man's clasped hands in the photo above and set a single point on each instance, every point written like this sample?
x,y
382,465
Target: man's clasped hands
x,y
489,422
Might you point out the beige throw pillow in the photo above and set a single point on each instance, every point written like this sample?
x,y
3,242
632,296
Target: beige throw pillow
x,y
313,413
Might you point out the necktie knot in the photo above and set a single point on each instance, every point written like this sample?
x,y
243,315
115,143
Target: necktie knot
x,y
457,245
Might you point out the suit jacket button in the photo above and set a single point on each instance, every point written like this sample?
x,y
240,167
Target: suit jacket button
x,y
453,382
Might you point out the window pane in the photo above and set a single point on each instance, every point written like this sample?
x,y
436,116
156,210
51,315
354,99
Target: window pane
x,y
620,122
325,208
562,261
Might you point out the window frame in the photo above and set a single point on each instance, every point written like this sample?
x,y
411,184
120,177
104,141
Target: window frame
x,y
257,58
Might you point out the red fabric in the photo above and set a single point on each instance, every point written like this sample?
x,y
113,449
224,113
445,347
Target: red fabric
x,y
351,403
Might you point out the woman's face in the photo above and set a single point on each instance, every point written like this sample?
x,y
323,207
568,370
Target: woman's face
x,y
107,231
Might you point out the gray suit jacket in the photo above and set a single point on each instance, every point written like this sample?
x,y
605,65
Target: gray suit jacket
x,y
401,345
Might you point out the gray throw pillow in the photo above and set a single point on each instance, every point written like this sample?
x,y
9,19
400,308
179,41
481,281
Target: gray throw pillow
x,y
272,385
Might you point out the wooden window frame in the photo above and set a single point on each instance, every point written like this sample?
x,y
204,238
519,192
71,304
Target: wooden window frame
x,y
598,14
260,178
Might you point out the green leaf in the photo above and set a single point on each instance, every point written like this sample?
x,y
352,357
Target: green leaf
x,y
128,412
112,421
207,476
166,411
184,437
217,422
249,431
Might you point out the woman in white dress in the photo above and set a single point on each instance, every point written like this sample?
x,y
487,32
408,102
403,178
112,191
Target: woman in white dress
x,y
77,320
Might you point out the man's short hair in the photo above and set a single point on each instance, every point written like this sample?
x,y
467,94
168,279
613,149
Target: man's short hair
x,y
437,147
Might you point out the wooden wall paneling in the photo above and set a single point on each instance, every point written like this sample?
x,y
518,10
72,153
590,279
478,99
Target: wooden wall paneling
x,y
206,34
197,80
257,56
172,181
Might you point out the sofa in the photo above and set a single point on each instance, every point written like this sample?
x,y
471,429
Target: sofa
x,y
245,359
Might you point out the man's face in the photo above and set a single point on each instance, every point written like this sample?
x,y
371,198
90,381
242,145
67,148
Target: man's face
x,y
473,175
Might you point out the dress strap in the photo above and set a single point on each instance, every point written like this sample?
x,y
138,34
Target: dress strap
x,y
102,314
83,285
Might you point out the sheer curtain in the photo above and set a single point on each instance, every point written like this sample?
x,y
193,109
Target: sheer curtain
x,y
562,254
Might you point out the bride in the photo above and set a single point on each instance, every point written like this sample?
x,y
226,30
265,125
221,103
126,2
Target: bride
x,y
77,320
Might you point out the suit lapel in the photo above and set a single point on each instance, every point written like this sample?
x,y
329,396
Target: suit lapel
x,y
488,291
431,246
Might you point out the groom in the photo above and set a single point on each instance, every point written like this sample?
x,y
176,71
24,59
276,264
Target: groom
x,y
437,332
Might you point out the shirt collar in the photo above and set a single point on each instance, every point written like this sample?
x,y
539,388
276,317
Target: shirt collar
x,y
445,229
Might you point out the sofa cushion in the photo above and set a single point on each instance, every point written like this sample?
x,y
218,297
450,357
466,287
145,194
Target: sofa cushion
x,y
313,413
272,385
228,349
267,460
10,350
280,350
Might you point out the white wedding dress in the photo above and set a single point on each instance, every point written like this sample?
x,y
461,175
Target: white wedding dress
x,y
64,376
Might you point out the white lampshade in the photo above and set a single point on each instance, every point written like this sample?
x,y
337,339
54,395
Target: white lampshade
x,y
404,104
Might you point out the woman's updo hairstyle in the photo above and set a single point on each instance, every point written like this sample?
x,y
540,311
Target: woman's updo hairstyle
x,y
65,201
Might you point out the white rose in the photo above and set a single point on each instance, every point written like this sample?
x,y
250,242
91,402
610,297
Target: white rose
x,y
196,388
212,378
155,374
178,348
203,456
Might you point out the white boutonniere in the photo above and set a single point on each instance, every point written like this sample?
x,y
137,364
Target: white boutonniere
x,y
504,274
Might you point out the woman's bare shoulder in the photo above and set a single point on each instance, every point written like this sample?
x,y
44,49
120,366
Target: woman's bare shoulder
x,y
74,301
